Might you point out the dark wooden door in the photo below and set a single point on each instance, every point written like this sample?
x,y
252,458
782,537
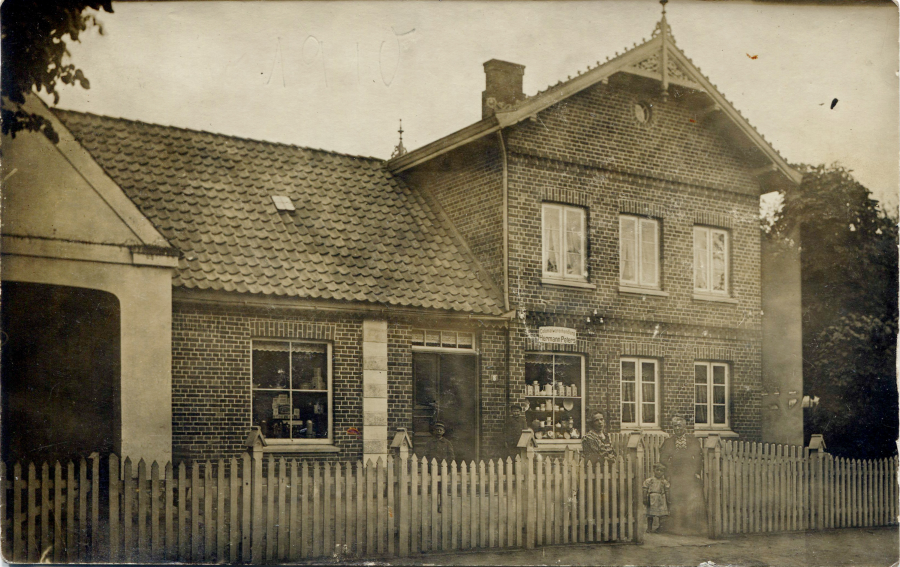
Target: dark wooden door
x,y
446,389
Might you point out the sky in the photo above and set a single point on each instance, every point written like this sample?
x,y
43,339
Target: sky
x,y
340,75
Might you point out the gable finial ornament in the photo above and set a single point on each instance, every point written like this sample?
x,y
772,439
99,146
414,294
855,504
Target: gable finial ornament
x,y
664,55
399,150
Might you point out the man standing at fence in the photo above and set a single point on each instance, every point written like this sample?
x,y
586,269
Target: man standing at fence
x,y
596,445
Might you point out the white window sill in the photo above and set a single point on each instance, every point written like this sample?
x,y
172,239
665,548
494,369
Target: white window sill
x,y
567,283
299,448
558,444
724,433
643,291
714,298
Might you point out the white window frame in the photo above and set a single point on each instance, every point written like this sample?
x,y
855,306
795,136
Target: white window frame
x,y
710,386
705,234
276,443
641,226
442,340
535,399
638,397
562,235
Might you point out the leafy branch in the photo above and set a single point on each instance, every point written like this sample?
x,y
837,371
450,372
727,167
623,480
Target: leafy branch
x,y
33,41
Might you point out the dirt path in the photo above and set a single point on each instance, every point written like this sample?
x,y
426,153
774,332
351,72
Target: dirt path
x,y
852,547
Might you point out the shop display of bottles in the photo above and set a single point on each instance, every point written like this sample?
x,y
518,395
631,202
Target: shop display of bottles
x,y
558,390
554,410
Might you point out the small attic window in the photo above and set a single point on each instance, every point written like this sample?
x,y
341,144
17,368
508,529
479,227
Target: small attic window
x,y
283,203
642,112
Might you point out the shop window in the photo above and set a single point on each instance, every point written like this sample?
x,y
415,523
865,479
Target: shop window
x,y
711,261
554,396
564,249
711,392
291,390
640,393
638,252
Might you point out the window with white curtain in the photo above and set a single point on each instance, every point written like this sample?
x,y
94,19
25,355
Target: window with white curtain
x,y
711,260
711,392
564,250
640,392
638,251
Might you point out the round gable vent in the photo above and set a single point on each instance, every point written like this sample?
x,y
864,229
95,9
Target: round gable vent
x,y
642,112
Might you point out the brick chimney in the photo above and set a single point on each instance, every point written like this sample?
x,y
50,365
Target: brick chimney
x,y
503,84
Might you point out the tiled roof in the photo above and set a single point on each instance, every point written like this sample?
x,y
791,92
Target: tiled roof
x,y
357,234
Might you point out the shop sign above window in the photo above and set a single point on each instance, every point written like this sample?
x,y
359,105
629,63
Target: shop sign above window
x,y
557,335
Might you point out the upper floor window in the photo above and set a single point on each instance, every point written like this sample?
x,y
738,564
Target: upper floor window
x,y
564,242
638,251
710,260
711,393
291,390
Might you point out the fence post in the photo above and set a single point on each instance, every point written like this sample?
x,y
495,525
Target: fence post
x,y
635,452
526,444
402,443
713,483
255,441
817,456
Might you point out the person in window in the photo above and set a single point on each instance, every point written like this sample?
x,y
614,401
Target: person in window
x,y
596,445
440,447
512,430
656,497
682,455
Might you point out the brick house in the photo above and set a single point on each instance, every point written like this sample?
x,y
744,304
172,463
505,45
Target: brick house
x,y
593,246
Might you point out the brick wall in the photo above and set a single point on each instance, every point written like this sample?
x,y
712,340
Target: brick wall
x,y
494,392
598,127
590,151
211,375
468,185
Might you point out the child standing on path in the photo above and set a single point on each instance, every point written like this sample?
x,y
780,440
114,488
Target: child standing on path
x,y
656,497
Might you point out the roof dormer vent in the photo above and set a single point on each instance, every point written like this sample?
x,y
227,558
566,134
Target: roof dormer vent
x,y
283,203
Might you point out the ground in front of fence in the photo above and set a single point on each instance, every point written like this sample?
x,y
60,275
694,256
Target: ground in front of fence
x,y
857,547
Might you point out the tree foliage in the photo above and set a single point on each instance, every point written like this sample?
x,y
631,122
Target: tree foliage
x,y
849,289
35,58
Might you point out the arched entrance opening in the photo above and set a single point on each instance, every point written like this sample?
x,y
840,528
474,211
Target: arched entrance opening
x,y
61,368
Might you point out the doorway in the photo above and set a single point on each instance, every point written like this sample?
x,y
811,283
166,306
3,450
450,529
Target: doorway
x,y
61,371
446,390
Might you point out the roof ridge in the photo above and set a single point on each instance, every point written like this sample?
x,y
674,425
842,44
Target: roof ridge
x,y
217,134
570,78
